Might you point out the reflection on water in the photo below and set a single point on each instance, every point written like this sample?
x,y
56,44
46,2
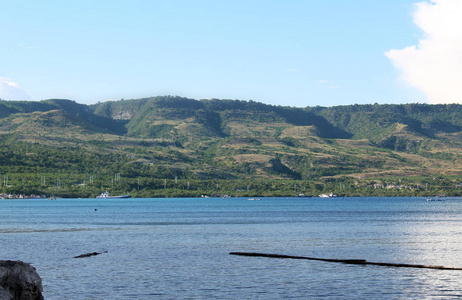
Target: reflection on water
x,y
178,248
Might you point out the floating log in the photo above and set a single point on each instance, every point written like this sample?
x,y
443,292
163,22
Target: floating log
x,y
346,261
89,254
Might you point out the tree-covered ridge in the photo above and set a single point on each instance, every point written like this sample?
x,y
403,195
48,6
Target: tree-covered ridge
x,y
162,138
426,119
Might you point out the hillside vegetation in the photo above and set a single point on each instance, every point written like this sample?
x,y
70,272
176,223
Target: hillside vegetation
x,y
174,146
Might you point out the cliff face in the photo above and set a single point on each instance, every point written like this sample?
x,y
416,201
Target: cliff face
x,y
19,281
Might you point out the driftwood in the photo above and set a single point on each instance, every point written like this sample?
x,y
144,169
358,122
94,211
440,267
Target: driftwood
x,y
346,261
89,254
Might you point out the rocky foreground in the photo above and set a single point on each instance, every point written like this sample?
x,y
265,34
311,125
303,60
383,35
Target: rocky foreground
x,y
19,281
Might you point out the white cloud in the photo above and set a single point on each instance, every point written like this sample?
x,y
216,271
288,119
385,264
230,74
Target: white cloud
x,y
10,90
26,46
434,66
328,84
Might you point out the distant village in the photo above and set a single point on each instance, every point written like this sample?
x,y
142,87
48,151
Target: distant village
x,y
21,196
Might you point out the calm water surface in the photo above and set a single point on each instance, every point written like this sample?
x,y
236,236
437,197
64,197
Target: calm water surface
x,y
178,248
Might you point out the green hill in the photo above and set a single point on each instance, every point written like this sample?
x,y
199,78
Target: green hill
x,y
237,143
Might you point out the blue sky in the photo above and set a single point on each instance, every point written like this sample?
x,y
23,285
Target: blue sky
x,y
292,52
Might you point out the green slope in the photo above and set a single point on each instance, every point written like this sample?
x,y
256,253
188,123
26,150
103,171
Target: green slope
x,y
174,137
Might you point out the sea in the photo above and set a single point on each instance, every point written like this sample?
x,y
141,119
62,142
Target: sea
x,y
174,248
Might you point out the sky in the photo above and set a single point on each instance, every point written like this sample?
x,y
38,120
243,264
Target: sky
x,y
292,53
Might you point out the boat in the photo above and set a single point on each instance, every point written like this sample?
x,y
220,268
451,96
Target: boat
x,y
106,195
304,196
330,195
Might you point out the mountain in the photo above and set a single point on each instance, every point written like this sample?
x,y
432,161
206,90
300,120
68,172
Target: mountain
x,y
174,137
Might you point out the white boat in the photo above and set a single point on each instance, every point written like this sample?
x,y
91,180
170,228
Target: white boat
x,y
106,195
327,195
304,196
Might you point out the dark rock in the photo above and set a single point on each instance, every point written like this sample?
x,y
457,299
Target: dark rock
x,y
19,281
